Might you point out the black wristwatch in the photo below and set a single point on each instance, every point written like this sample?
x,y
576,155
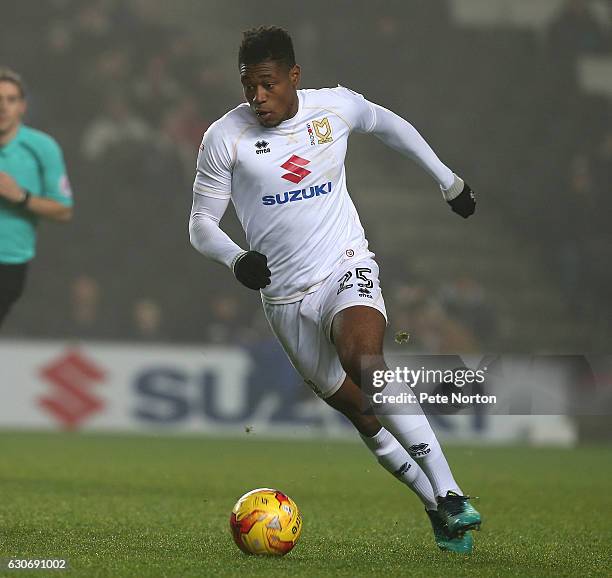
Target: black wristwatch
x,y
24,202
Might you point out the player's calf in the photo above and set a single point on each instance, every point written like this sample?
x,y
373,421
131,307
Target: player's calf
x,y
349,401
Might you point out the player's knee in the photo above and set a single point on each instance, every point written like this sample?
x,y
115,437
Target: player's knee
x,y
351,364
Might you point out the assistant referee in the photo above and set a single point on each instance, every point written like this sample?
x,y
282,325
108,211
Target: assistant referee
x,y
33,184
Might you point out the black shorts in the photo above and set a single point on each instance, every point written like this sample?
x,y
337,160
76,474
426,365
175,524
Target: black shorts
x,y
12,283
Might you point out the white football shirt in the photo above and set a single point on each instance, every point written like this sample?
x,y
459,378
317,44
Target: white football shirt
x,y
288,186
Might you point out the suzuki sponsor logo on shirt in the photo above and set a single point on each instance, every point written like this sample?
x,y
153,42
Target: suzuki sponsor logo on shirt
x,y
295,165
299,195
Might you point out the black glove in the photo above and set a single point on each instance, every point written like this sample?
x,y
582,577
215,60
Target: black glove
x,y
251,269
465,203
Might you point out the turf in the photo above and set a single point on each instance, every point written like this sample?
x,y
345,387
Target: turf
x,y
154,506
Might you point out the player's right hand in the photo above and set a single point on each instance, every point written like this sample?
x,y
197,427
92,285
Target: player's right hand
x,y
251,269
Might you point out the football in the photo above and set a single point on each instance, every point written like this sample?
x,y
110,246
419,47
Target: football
x,y
266,521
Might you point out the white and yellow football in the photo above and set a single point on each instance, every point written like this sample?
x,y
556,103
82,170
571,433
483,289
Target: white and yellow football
x,y
266,521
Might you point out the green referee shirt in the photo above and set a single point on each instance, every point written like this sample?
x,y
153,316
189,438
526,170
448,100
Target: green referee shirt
x,y
35,161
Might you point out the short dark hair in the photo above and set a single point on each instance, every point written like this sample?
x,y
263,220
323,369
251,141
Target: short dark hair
x,y
9,75
266,43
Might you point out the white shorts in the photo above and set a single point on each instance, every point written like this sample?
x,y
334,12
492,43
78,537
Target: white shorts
x,y
304,327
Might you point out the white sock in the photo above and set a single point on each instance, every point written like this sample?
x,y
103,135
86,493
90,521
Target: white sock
x,y
396,460
413,432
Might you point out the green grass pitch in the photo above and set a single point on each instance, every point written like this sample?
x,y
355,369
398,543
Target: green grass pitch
x,y
153,506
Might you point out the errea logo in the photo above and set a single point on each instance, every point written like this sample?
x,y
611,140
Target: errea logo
x,y
262,147
402,469
419,450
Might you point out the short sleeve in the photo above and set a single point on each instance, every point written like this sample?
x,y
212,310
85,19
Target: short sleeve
x,y
214,167
358,112
56,185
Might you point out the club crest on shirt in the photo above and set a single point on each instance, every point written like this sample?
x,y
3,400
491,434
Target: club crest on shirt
x,y
321,129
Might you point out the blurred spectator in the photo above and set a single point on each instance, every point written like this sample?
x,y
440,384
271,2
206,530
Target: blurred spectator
x,y
430,329
93,26
576,31
183,59
85,317
579,226
147,319
184,126
467,302
603,168
226,324
116,126
583,198
155,89
438,333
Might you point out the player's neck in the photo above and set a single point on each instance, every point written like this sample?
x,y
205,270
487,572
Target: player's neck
x,y
7,136
295,106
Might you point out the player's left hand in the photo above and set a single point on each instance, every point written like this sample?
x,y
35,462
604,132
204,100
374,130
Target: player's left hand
x,y
9,189
465,203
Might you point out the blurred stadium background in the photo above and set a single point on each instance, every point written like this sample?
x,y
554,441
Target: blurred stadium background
x,y
515,95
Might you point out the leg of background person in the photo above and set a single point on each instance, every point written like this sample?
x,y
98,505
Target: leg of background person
x,y
12,282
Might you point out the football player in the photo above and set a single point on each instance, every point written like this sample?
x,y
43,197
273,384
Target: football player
x,y
279,157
